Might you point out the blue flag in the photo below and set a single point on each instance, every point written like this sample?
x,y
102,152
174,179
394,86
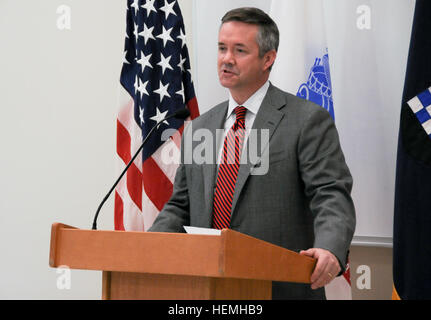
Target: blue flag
x,y
412,214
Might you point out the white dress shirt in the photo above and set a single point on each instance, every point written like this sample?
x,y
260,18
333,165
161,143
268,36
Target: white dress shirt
x,y
252,104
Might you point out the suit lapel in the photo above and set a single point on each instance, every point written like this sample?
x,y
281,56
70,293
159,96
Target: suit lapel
x,y
268,117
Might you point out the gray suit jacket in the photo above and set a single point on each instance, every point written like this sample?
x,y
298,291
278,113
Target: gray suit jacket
x,y
303,201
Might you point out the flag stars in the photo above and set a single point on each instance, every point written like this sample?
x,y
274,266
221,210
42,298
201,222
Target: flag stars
x,y
135,31
182,37
160,116
168,8
181,64
144,61
154,71
149,7
147,33
141,115
181,92
125,61
163,91
142,88
136,85
135,5
190,71
165,35
164,63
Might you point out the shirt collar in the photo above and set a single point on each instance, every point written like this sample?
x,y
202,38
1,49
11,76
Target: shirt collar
x,y
253,103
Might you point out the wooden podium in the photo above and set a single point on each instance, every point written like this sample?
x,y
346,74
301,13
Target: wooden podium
x,y
152,265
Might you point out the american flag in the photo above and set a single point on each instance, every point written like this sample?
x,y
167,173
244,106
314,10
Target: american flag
x,y
156,82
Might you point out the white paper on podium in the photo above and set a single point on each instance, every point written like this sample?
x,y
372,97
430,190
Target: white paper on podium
x,y
207,231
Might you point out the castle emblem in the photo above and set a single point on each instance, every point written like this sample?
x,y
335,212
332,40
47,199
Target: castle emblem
x,y
318,87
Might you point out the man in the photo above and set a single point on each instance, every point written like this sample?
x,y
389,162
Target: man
x,y
303,201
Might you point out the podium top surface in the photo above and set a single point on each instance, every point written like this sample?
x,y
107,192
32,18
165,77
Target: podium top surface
x,y
230,255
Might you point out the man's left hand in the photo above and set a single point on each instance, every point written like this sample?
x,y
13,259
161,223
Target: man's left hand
x,y
327,267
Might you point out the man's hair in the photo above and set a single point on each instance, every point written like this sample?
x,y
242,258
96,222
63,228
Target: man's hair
x,y
268,36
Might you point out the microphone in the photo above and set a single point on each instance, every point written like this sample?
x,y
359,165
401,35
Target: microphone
x,y
179,114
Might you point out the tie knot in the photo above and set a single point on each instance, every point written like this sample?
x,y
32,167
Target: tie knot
x,y
240,113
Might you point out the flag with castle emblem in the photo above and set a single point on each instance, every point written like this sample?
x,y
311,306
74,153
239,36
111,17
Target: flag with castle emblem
x,y
302,68
155,82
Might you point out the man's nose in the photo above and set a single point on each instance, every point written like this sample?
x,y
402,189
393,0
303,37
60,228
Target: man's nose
x,y
228,57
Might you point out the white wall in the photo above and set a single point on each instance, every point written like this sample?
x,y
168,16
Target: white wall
x,y
57,134
367,71
58,102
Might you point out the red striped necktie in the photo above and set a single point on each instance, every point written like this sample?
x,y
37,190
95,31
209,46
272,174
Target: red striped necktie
x,y
228,171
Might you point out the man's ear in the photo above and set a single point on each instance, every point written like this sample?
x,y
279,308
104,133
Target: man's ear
x,y
268,59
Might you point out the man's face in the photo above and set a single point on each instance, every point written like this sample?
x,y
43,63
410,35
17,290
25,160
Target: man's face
x,y
239,66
